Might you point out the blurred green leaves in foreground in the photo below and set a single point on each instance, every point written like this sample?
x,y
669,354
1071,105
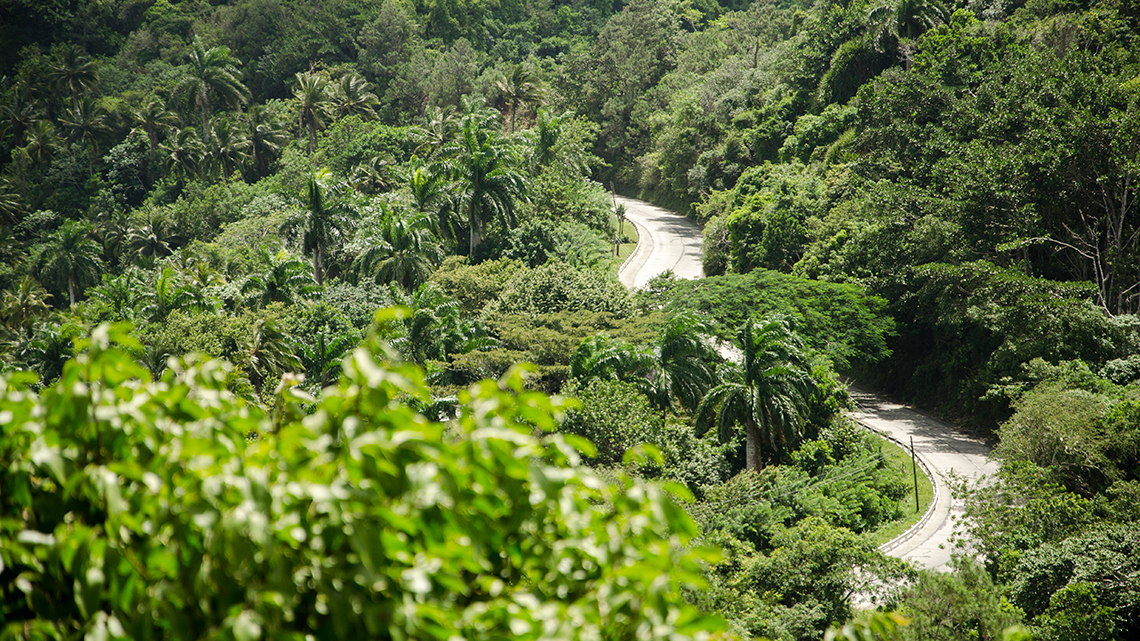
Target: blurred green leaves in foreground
x,y
142,509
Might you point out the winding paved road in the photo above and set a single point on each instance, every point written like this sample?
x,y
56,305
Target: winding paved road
x,y
666,240
671,241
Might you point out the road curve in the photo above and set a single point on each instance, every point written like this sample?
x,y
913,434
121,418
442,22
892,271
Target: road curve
x,y
944,449
668,240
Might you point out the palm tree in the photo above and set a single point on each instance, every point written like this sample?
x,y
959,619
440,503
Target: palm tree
x,y
213,76
353,97
152,239
311,96
485,179
682,362
405,252
11,204
19,113
373,176
184,153
74,71
440,127
228,149
113,228
518,90
270,352
70,257
170,295
25,304
284,280
322,359
42,141
116,297
903,20
548,128
767,393
432,310
153,118
323,221
85,121
600,356
267,135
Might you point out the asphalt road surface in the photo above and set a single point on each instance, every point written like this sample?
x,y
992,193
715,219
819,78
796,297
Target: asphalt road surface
x,y
666,241
669,241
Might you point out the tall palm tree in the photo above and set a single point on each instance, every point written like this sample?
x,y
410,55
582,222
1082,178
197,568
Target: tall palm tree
x,y
267,135
405,252
767,393
284,280
323,221
313,102
213,77
353,97
520,89
73,71
483,171
270,352
70,257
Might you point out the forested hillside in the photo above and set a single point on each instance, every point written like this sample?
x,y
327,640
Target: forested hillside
x,y
937,199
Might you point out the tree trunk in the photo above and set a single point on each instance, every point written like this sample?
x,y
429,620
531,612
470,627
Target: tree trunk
x,y
754,460
318,266
71,288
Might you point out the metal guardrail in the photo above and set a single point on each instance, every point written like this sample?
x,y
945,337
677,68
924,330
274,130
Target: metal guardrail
x,y
909,534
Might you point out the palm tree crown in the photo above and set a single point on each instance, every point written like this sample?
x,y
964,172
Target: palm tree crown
x,y
312,99
213,75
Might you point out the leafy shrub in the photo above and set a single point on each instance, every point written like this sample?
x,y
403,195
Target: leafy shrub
x,y
136,509
556,287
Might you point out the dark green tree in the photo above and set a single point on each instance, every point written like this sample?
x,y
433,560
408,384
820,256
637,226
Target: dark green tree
x,y
486,181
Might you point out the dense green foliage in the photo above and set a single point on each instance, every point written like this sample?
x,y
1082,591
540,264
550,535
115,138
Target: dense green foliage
x,y
167,509
936,198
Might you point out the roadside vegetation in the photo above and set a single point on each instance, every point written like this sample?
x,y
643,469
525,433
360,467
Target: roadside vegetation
x,y
268,270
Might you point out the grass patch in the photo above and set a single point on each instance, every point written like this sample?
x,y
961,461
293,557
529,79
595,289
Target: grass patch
x,y
899,459
628,230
